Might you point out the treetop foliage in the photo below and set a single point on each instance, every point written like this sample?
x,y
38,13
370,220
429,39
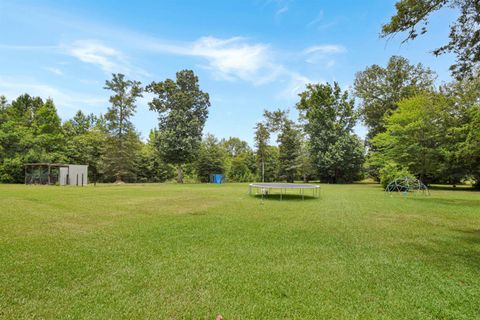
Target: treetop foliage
x,y
412,17
329,116
182,112
380,88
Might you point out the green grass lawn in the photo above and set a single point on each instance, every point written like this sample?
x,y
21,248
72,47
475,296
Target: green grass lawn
x,y
191,251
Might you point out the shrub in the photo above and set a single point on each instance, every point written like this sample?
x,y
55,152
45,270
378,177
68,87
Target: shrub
x,y
392,171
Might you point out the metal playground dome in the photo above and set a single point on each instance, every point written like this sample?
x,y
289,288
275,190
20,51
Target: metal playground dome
x,y
406,185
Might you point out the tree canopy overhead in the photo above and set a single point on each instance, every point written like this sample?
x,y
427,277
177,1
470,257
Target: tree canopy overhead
x,y
412,17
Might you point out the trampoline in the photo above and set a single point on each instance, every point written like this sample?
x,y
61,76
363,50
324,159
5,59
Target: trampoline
x,y
266,188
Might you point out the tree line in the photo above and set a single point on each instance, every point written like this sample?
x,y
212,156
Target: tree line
x,y
414,128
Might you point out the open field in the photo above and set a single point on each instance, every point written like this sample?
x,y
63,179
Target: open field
x,y
192,251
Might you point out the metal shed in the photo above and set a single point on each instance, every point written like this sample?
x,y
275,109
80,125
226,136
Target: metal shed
x,y
53,173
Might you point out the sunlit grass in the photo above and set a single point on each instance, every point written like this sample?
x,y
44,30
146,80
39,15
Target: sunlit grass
x,y
192,251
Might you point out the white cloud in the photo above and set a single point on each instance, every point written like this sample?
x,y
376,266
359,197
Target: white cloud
x,y
319,22
108,59
322,54
325,49
295,84
317,19
35,48
282,10
94,52
54,70
232,59
330,63
237,58
228,59
13,87
281,6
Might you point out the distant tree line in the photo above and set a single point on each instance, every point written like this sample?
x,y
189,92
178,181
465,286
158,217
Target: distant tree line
x,y
32,131
414,127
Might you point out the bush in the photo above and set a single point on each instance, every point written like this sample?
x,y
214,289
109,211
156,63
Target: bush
x,y
392,171
374,162
11,171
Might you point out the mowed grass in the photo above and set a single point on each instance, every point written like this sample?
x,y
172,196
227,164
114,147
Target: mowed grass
x,y
192,251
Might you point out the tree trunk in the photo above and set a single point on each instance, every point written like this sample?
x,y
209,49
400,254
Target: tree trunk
x,y
179,174
263,171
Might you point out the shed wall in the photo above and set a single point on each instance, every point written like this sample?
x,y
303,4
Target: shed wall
x,y
78,175
74,175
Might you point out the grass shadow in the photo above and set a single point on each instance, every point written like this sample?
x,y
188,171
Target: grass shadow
x,y
451,188
472,203
449,252
286,197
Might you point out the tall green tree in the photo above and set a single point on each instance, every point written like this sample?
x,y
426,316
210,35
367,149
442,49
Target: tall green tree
x,y
275,120
272,164
305,165
434,135
289,148
329,117
30,131
80,123
211,158
85,142
151,166
412,17
183,111
235,146
262,136
49,143
122,140
464,137
289,143
243,167
416,133
470,149
240,162
381,88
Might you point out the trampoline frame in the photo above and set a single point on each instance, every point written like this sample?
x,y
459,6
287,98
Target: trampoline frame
x,y
266,188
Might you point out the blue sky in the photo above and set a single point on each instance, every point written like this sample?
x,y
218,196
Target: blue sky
x,y
250,55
